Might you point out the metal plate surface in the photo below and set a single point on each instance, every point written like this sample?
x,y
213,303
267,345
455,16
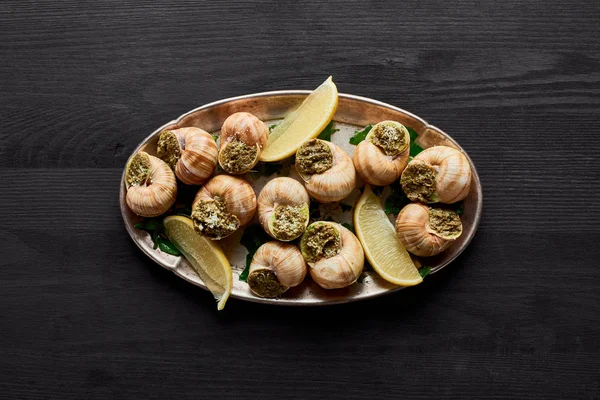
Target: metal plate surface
x,y
353,112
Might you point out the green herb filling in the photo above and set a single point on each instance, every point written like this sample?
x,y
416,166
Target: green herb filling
x,y
445,223
168,149
237,157
289,221
264,283
418,181
138,170
389,138
211,219
322,241
314,157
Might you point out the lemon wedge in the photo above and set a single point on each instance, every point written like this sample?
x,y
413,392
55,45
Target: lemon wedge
x,y
302,124
384,251
204,255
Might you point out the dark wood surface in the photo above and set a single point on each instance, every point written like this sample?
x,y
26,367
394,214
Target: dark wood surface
x,y
85,315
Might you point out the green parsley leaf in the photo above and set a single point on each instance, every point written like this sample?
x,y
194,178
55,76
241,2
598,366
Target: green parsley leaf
x,y
253,237
414,147
396,201
154,225
459,207
326,133
359,136
424,271
246,271
166,246
155,235
413,134
156,230
272,127
348,226
215,137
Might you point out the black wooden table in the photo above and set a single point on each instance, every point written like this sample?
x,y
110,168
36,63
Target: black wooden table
x,y
84,314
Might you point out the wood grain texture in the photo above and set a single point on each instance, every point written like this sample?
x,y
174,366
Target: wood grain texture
x,y
86,315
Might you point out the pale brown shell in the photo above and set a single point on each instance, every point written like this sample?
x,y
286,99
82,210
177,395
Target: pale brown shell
x,y
198,155
239,197
413,232
453,179
247,128
337,182
279,191
374,167
155,196
344,268
377,168
282,258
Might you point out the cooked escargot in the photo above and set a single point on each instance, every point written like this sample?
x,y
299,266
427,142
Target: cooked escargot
x,y
151,185
243,136
437,174
427,231
383,155
283,208
334,255
222,205
190,152
275,267
326,169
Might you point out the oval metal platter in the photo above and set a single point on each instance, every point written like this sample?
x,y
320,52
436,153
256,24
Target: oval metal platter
x,y
353,113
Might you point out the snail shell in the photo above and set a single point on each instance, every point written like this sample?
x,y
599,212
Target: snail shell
x,y
275,267
243,136
222,205
283,208
191,152
437,174
151,185
334,255
380,158
427,231
328,172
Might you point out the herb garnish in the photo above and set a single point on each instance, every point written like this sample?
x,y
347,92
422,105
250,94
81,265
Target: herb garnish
x,y
156,229
396,200
326,133
459,207
424,271
359,136
253,237
414,147
215,137
272,127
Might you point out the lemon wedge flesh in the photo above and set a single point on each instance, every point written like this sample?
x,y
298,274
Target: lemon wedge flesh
x,y
204,255
384,251
302,124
